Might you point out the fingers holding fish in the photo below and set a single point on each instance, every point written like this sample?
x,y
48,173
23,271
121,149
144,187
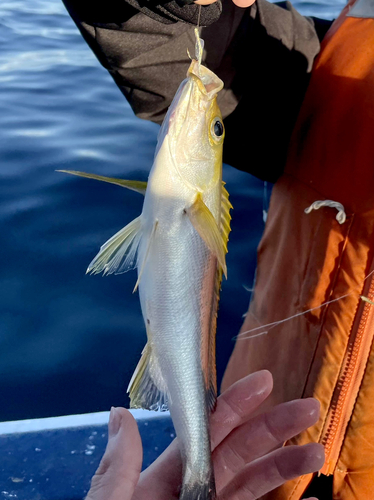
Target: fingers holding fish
x,y
263,475
257,469
260,435
236,405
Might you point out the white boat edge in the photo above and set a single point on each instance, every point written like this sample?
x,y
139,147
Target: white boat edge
x,y
71,421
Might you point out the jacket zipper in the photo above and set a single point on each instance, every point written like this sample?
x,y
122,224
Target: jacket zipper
x,y
348,384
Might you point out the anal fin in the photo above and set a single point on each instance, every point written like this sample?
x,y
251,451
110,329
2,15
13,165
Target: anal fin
x,y
147,388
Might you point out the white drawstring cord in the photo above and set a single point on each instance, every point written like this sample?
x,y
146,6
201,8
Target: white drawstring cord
x,y
340,217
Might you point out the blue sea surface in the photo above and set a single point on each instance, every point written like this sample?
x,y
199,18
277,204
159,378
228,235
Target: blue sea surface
x,y
70,342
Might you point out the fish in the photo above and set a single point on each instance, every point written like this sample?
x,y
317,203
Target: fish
x,y
178,245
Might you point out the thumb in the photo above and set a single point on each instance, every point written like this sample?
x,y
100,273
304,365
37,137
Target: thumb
x,y
119,469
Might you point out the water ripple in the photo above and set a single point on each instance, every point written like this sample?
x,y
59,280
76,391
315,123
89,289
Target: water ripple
x,y
45,60
32,133
44,7
25,29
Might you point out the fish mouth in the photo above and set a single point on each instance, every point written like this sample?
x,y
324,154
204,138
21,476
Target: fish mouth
x,y
207,81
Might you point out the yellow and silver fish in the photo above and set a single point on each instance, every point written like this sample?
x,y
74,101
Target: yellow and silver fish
x,y
179,244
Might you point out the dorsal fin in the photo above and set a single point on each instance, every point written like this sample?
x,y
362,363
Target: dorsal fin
x,y
225,215
225,231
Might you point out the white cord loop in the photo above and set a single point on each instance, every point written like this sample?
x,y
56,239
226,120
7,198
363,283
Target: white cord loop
x,y
340,217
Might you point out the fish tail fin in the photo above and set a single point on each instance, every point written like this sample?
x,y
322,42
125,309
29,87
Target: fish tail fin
x,y
199,490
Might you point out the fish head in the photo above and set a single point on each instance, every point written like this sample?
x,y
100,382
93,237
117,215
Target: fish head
x,y
193,130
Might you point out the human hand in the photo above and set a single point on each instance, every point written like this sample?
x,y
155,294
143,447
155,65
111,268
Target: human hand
x,y
248,461
239,3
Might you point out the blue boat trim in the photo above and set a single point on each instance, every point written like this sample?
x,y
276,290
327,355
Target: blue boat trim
x,y
70,421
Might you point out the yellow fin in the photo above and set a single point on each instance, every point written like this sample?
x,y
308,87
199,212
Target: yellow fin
x,y
138,186
147,388
203,221
142,264
211,389
118,254
225,215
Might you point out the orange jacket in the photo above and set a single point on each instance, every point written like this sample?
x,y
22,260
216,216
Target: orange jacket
x,y
305,260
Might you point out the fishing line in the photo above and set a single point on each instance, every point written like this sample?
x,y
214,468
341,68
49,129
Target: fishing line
x,y
198,47
199,43
198,17
276,323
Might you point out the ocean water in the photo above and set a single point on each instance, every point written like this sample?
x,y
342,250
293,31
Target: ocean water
x,y
70,342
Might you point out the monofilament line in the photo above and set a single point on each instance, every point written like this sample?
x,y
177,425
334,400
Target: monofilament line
x,y
269,326
276,323
198,17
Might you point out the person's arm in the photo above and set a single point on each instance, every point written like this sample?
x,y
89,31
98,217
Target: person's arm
x,y
273,62
263,54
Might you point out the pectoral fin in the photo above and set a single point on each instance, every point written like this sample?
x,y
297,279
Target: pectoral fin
x,y
203,221
147,388
119,253
138,186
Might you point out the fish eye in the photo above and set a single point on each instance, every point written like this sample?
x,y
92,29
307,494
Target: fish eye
x,y
217,128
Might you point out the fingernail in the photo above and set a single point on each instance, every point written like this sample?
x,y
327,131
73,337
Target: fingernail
x,y
315,409
265,382
114,422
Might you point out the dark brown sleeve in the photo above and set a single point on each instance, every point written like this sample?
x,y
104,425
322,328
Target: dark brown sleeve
x,y
264,55
272,57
